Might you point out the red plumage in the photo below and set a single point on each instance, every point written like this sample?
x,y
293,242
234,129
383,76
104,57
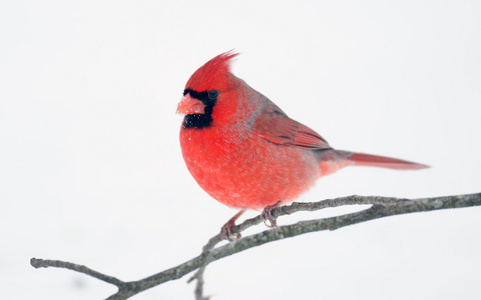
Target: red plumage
x,y
214,74
245,151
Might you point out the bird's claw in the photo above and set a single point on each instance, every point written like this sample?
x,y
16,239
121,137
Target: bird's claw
x,y
226,232
267,216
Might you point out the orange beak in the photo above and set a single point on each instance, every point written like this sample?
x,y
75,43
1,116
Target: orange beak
x,y
189,106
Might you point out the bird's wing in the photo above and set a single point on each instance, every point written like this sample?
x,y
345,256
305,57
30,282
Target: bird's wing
x,y
276,127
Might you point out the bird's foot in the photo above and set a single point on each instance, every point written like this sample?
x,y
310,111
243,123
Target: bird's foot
x,y
267,216
226,230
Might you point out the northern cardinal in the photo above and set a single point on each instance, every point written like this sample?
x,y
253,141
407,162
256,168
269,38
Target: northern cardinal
x,y
245,152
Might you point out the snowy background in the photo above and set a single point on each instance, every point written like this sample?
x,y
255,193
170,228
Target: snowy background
x,y
91,169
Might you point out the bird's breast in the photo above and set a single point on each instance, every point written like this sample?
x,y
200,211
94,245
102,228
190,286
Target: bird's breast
x,y
242,170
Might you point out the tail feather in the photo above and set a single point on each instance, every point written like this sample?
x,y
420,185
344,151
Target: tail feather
x,y
361,159
332,160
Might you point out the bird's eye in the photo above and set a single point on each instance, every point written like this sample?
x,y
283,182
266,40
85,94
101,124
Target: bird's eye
x,y
213,94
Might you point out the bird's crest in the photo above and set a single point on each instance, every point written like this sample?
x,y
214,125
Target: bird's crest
x,y
214,74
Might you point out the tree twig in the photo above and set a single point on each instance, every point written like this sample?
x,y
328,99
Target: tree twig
x,y
381,207
45,263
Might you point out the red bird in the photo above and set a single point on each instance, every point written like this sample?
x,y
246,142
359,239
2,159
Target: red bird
x,y
245,152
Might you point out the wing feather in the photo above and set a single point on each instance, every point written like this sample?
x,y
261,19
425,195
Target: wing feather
x,y
276,127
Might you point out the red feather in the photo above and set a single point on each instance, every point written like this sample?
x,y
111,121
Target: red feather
x,y
362,159
276,127
214,74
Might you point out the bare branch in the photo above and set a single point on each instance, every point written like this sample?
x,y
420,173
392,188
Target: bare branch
x,y
381,207
42,263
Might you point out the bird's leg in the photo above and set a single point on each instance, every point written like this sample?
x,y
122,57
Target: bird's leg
x,y
266,215
226,230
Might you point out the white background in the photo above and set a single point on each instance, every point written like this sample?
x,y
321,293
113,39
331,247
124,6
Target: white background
x,y
90,164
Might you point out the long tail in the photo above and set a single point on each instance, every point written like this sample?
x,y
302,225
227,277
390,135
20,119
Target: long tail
x,y
334,160
361,159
